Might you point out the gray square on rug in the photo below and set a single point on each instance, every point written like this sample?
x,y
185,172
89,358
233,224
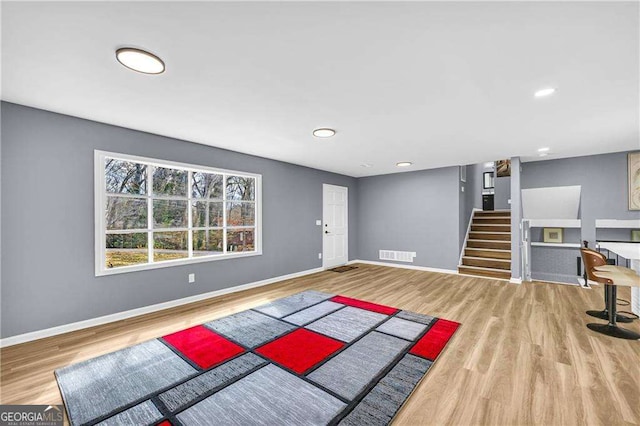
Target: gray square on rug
x,y
183,394
250,328
97,387
288,305
412,316
142,414
402,328
269,396
347,324
351,370
310,314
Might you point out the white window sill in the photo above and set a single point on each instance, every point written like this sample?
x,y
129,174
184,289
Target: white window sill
x,y
176,262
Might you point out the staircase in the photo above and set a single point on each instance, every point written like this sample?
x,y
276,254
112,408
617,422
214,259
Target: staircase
x,y
488,249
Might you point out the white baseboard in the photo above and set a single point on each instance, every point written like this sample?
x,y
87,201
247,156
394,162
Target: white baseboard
x,y
396,265
515,280
66,328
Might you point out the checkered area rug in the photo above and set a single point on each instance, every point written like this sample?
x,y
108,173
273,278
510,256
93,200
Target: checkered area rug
x,y
308,359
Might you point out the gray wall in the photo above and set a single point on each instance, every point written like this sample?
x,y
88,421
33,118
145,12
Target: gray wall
x,y
603,179
462,208
478,190
516,217
47,221
471,197
502,192
411,212
604,185
47,215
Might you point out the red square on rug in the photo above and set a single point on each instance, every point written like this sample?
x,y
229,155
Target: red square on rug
x,y
374,307
203,346
300,350
432,343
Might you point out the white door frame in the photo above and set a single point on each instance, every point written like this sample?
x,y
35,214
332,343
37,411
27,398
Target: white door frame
x,y
346,227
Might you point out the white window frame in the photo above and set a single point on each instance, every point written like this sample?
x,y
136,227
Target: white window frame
x,y
100,194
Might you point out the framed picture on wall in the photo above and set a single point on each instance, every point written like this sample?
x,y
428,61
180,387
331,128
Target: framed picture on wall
x,y
634,180
487,180
552,235
503,168
635,235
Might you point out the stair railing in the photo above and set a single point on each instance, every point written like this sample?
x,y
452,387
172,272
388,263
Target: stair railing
x,y
466,236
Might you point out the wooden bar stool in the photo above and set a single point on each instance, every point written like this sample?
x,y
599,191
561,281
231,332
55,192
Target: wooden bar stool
x,y
593,259
618,276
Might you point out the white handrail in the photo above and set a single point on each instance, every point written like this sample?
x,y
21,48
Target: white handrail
x,y
466,236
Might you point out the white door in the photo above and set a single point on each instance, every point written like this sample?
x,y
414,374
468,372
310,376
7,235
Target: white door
x,y
335,240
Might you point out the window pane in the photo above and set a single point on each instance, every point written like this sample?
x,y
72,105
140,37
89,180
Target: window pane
x,y
126,249
206,213
124,177
170,214
240,214
206,243
169,182
126,213
240,240
170,245
206,185
241,188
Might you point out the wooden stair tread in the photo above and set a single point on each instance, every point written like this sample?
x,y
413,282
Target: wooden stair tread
x,y
501,236
484,272
482,268
487,262
488,220
487,253
491,232
483,258
489,249
490,228
493,213
494,244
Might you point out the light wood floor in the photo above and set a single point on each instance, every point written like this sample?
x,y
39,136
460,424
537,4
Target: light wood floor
x,y
522,355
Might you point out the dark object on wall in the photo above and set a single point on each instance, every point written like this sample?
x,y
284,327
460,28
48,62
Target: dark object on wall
x,y
487,201
503,168
487,180
578,265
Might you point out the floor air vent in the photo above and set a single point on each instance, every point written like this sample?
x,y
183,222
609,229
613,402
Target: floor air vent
x,y
398,256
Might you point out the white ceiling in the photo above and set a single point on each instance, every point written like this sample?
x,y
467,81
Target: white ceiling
x,y
437,84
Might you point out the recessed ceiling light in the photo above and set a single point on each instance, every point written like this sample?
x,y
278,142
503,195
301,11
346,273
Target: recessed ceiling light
x,y
140,60
543,154
544,92
366,165
545,149
404,164
323,133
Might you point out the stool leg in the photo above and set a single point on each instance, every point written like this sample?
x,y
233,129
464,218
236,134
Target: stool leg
x,y
613,297
604,314
611,329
